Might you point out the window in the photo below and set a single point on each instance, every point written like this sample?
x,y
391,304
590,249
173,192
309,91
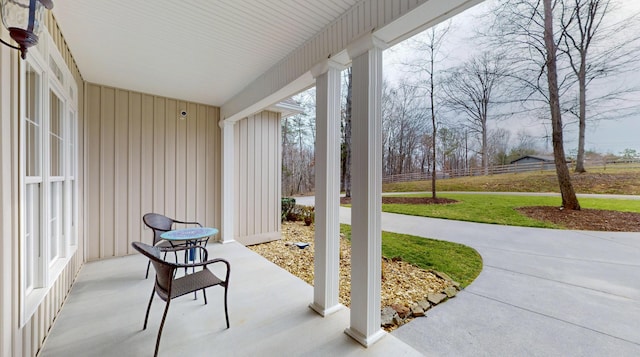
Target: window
x,y
48,157
33,178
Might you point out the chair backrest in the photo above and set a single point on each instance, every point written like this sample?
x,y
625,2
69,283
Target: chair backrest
x,y
164,269
158,223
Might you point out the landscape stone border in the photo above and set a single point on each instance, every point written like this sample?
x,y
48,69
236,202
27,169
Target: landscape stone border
x,y
394,316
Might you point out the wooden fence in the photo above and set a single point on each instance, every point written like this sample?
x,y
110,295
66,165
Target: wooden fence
x,y
505,169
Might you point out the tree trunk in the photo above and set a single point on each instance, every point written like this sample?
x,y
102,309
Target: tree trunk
x,y
569,199
583,114
347,139
485,159
433,137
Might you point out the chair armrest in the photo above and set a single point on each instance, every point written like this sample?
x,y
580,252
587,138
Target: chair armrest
x,y
185,222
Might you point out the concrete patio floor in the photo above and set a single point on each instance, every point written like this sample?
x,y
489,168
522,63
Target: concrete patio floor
x,y
268,311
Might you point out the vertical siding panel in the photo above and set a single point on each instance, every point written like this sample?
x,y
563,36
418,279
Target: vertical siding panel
x,y
146,167
265,162
181,165
266,171
42,330
244,165
26,339
170,159
190,159
251,148
212,170
134,197
368,25
121,191
92,183
255,151
201,167
33,335
159,136
107,133
238,176
274,172
216,157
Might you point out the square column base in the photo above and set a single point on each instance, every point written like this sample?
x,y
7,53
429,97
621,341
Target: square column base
x,y
328,311
366,341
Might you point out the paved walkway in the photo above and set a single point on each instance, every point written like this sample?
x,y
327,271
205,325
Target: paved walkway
x,y
542,292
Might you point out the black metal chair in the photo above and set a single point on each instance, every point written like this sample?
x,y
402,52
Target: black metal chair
x,y
168,286
160,224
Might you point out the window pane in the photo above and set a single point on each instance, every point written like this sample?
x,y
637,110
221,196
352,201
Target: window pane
x,y
32,122
74,205
32,234
71,140
55,69
55,137
55,220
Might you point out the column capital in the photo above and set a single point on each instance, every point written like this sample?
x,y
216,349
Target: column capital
x,y
324,66
363,44
223,123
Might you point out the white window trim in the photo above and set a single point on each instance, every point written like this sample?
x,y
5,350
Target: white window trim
x,y
66,90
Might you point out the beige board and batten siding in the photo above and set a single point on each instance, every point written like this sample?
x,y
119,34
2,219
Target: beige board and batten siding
x,y
257,166
25,338
145,157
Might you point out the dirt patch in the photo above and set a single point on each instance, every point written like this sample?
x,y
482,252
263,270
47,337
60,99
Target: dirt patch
x,y
586,219
407,200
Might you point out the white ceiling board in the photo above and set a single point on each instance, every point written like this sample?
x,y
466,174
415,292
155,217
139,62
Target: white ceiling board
x,y
198,50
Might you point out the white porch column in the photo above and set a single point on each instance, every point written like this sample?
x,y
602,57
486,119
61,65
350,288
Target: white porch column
x,y
366,191
228,178
327,200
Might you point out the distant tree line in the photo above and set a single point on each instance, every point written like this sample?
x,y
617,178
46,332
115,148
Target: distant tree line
x,y
452,113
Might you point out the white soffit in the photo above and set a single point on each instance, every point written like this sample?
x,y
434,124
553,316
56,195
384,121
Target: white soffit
x,y
197,50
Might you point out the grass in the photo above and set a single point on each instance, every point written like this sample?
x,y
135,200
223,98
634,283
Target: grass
x,y
500,209
461,263
623,180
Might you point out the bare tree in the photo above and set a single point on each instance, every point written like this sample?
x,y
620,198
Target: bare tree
x,y
591,45
403,123
569,199
429,48
594,49
298,142
526,28
470,89
346,137
498,146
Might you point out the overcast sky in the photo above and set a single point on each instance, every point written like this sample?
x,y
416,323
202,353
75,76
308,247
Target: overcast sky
x,y
611,136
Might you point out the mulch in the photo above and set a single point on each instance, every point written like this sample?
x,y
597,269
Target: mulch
x,y
586,219
407,200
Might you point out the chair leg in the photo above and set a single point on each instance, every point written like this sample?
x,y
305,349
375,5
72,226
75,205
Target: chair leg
x,y
164,317
204,292
226,312
146,317
148,266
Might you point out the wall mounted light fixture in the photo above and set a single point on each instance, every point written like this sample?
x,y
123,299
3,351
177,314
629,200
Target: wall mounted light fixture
x,y
23,19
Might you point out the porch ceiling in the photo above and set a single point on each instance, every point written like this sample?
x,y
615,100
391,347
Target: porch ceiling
x,y
197,50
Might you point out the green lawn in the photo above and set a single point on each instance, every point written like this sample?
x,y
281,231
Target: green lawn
x,y
500,209
461,263
615,179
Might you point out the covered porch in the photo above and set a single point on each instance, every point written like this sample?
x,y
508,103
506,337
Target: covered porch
x,y
268,314
167,108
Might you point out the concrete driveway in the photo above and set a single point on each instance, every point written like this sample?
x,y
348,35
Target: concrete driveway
x,y
542,292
